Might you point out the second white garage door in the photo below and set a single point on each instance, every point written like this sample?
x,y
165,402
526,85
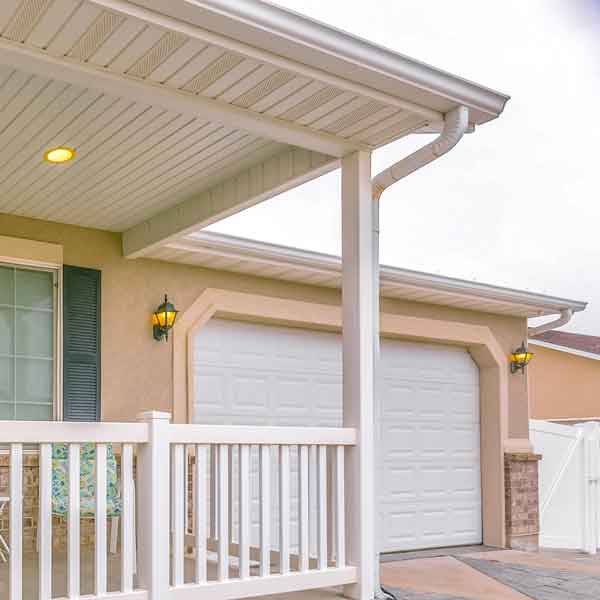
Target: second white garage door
x,y
427,418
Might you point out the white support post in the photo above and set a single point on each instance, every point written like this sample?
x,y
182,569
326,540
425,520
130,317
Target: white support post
x,y
377,406
359,313
153,506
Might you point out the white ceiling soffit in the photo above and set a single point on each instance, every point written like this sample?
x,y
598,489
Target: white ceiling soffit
x,y
166,99
297,37
215,251
104,43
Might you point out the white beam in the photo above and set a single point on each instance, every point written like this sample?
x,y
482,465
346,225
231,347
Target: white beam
x,y
255,184
358,308
92,77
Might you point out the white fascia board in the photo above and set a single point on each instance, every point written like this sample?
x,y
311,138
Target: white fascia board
x,y
305,40
566,349
253,185
314,262
91,77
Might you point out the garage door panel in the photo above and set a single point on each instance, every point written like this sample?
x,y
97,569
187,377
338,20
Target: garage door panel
x,y
211,391
427,420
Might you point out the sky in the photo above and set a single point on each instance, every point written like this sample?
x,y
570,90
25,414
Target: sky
x,y
514,204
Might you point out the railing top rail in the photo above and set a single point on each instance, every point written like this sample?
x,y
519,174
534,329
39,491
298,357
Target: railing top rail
x,y
251,435
34,432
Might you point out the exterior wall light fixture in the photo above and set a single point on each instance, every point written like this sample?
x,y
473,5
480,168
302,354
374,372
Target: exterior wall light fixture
x,y
520,358
163,320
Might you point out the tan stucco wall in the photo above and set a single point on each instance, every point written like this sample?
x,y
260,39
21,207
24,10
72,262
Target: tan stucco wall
x,y
136,371
562,385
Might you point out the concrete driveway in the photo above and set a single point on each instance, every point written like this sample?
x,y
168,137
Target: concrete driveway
x,y
485,574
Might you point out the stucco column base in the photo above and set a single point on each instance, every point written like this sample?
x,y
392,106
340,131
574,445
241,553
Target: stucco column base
x,y
522,500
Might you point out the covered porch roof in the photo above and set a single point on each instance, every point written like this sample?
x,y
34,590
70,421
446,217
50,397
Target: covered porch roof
x,y
186,111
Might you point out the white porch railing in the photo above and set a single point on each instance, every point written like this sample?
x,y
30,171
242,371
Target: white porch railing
x,y
257,492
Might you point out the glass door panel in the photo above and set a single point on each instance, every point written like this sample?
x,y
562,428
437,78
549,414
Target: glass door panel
x,y
27,332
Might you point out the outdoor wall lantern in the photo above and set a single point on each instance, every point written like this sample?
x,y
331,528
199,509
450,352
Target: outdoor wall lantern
x,y
163,320
520,358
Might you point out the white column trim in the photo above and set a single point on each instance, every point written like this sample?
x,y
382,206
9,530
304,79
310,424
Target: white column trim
x,y
359,308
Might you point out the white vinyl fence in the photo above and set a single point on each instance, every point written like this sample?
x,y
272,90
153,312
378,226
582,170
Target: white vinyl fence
x,y
213,533
568,484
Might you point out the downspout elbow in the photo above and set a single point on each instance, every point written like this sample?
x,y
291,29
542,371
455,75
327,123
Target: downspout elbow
x,y
456,123
565,317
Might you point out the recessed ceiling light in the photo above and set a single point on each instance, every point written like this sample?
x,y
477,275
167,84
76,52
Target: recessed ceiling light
x,y
58,155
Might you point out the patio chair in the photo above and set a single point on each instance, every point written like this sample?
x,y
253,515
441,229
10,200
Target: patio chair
x,y
60,486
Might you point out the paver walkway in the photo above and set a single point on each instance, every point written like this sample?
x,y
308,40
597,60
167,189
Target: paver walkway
x,y
495,575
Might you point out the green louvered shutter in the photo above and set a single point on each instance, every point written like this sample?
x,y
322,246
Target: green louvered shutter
x,y
81,344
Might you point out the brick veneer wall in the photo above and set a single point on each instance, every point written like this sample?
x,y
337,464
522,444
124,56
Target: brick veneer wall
x,y
522,500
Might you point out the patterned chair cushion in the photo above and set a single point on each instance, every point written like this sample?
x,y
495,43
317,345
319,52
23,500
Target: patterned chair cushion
x,y
87,481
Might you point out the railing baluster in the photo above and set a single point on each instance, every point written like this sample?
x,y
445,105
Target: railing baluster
x,y
178,491
303,507
223,516
265,510
331,487
214,491
322,506
73,551
230,492
313,519
45,523
127,519
244,510
16,522
201,512
340,514
284,510
101,569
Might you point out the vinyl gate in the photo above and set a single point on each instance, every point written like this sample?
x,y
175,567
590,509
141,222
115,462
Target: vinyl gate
x,y
569,485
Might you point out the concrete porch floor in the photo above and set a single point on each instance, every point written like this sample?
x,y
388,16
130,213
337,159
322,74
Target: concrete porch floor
x,y
452,574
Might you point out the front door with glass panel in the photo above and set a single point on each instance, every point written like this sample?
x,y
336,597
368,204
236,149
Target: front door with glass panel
x,y
27,342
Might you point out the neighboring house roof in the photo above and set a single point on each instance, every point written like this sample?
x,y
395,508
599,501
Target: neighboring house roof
x,y
579,344
216,251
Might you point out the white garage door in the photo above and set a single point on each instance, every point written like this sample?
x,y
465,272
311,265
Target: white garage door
x,y
428,417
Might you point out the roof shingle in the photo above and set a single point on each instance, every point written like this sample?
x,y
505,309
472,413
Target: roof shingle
x,y
577,341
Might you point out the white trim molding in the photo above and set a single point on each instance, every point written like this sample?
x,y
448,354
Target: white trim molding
x,y
30,252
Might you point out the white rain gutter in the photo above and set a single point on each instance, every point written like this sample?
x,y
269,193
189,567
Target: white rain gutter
x,y
456,123
565,317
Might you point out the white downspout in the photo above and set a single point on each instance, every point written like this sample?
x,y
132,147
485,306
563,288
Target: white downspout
x,y
456,123
565,317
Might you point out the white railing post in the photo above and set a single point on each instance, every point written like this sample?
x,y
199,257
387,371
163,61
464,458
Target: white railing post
x,y
591,475
153,479
359,309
